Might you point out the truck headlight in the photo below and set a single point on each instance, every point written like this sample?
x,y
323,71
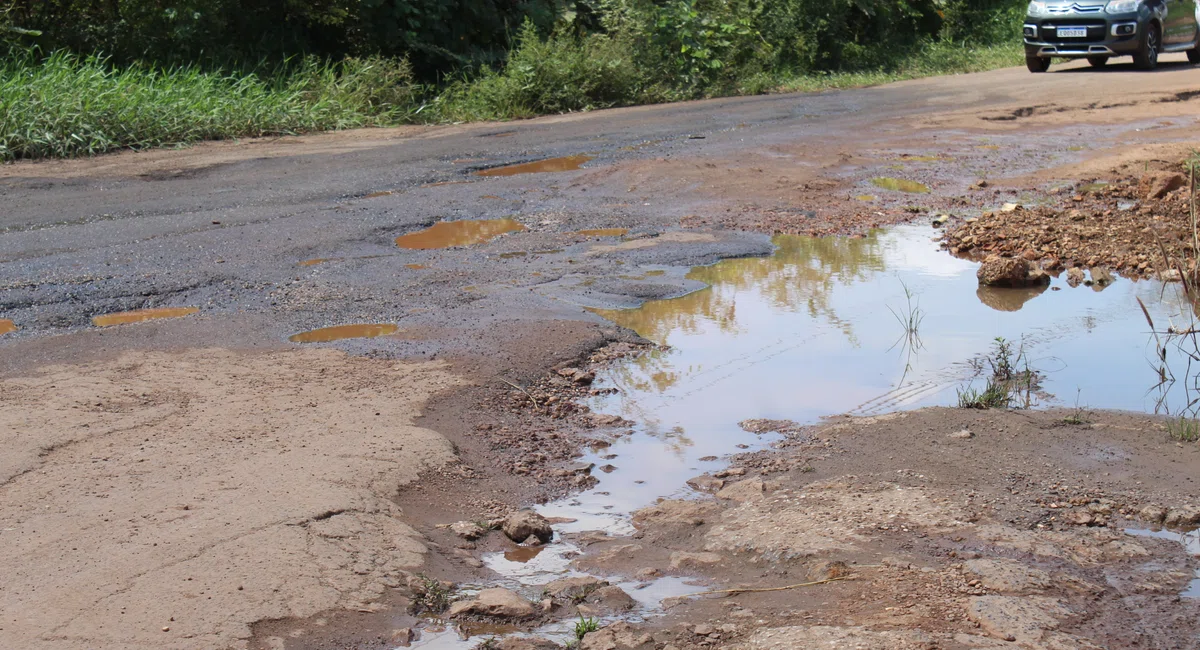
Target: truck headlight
x,y
1037,8
1122,6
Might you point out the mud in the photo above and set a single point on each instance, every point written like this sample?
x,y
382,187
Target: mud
x,y
226,227
343,332
142,315
450,234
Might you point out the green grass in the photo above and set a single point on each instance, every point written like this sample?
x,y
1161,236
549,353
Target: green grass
x,y
585,626
65,106
1184,429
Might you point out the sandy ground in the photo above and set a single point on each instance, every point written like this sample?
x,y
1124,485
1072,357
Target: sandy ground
x,y
169,500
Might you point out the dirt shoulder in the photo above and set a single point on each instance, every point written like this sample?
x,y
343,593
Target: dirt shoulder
x,y
169,500
938,528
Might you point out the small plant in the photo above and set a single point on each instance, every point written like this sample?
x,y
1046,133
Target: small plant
x,y
1184,429
584,626
993,396
432,596
1079,415
490,643
910,319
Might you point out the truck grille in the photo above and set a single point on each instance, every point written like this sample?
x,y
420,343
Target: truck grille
x,y
1074,9
1048,31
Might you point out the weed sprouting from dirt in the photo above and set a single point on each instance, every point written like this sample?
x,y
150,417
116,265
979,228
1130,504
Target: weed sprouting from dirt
x,y
584,626
1184,429
431,596
1011,383
1079,415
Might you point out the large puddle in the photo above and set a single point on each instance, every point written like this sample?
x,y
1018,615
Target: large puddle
x,y
814,330
344,332
449,234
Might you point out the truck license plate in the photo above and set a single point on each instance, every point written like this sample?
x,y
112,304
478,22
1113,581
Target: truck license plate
x,y
1072,32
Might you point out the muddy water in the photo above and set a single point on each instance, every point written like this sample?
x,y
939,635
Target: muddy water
x,y
1191,543
343,332
809,332
604,232
900,185
7,326
563,164
448,234
140,315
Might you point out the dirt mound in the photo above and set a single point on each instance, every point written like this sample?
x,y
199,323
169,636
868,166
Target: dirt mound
x,y
1131,226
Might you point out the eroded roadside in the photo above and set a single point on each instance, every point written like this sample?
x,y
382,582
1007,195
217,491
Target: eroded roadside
x,y
499,426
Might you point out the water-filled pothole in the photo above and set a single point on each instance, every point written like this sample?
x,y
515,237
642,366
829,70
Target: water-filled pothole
x,y
343,332
563,164
807,333
1190,540
449,234
7,326
140,315
900,185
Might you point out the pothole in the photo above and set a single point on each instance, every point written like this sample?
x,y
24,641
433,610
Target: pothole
x,y
562,164
343,332
140,315
450,234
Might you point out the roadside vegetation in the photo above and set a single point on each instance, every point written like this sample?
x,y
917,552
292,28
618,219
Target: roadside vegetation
x,y
79,77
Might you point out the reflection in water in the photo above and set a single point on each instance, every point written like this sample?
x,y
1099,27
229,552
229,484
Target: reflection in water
x,y
140,315
447,234
1006,299
810,332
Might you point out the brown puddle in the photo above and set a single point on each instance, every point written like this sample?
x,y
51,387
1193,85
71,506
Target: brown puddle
x,y
604,232
415,267
375,195
523,554
563,164
448,234
508,256
900,185
139,315
441,183
7,326
318,260
342,332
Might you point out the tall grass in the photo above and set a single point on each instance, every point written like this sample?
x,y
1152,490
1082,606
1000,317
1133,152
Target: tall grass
x,y
63,105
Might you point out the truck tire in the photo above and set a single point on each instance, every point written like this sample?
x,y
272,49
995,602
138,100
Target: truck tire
x,y
1037,64
1146,58
1194,55
1098,61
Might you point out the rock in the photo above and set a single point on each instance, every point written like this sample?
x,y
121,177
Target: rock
x,y
1100,278
1182,517
1153,514
1015,618
605,420
979,185
751,489
999,271
521,524
828,570
965,434
732,471
494,603
684,559
1075,214
706,483
675,511
648,573
1010,207
760,425
468,530
618,636
1008,576
1158,184
611,599
940,220
1171,275
702,630
1075,276
581,377
572,588
524,643
403,636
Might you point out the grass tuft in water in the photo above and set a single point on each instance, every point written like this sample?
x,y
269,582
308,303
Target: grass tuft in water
x,y
584,626
1011,383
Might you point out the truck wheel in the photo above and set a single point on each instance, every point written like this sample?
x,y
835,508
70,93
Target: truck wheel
x,y
1194,55
1146,58
1098,61
1037,64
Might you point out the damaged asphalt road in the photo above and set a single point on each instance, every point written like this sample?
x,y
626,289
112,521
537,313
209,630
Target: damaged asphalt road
x,y
206,458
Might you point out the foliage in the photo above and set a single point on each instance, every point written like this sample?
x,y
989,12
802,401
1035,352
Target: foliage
x,y
67,106
585,626
1011,382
